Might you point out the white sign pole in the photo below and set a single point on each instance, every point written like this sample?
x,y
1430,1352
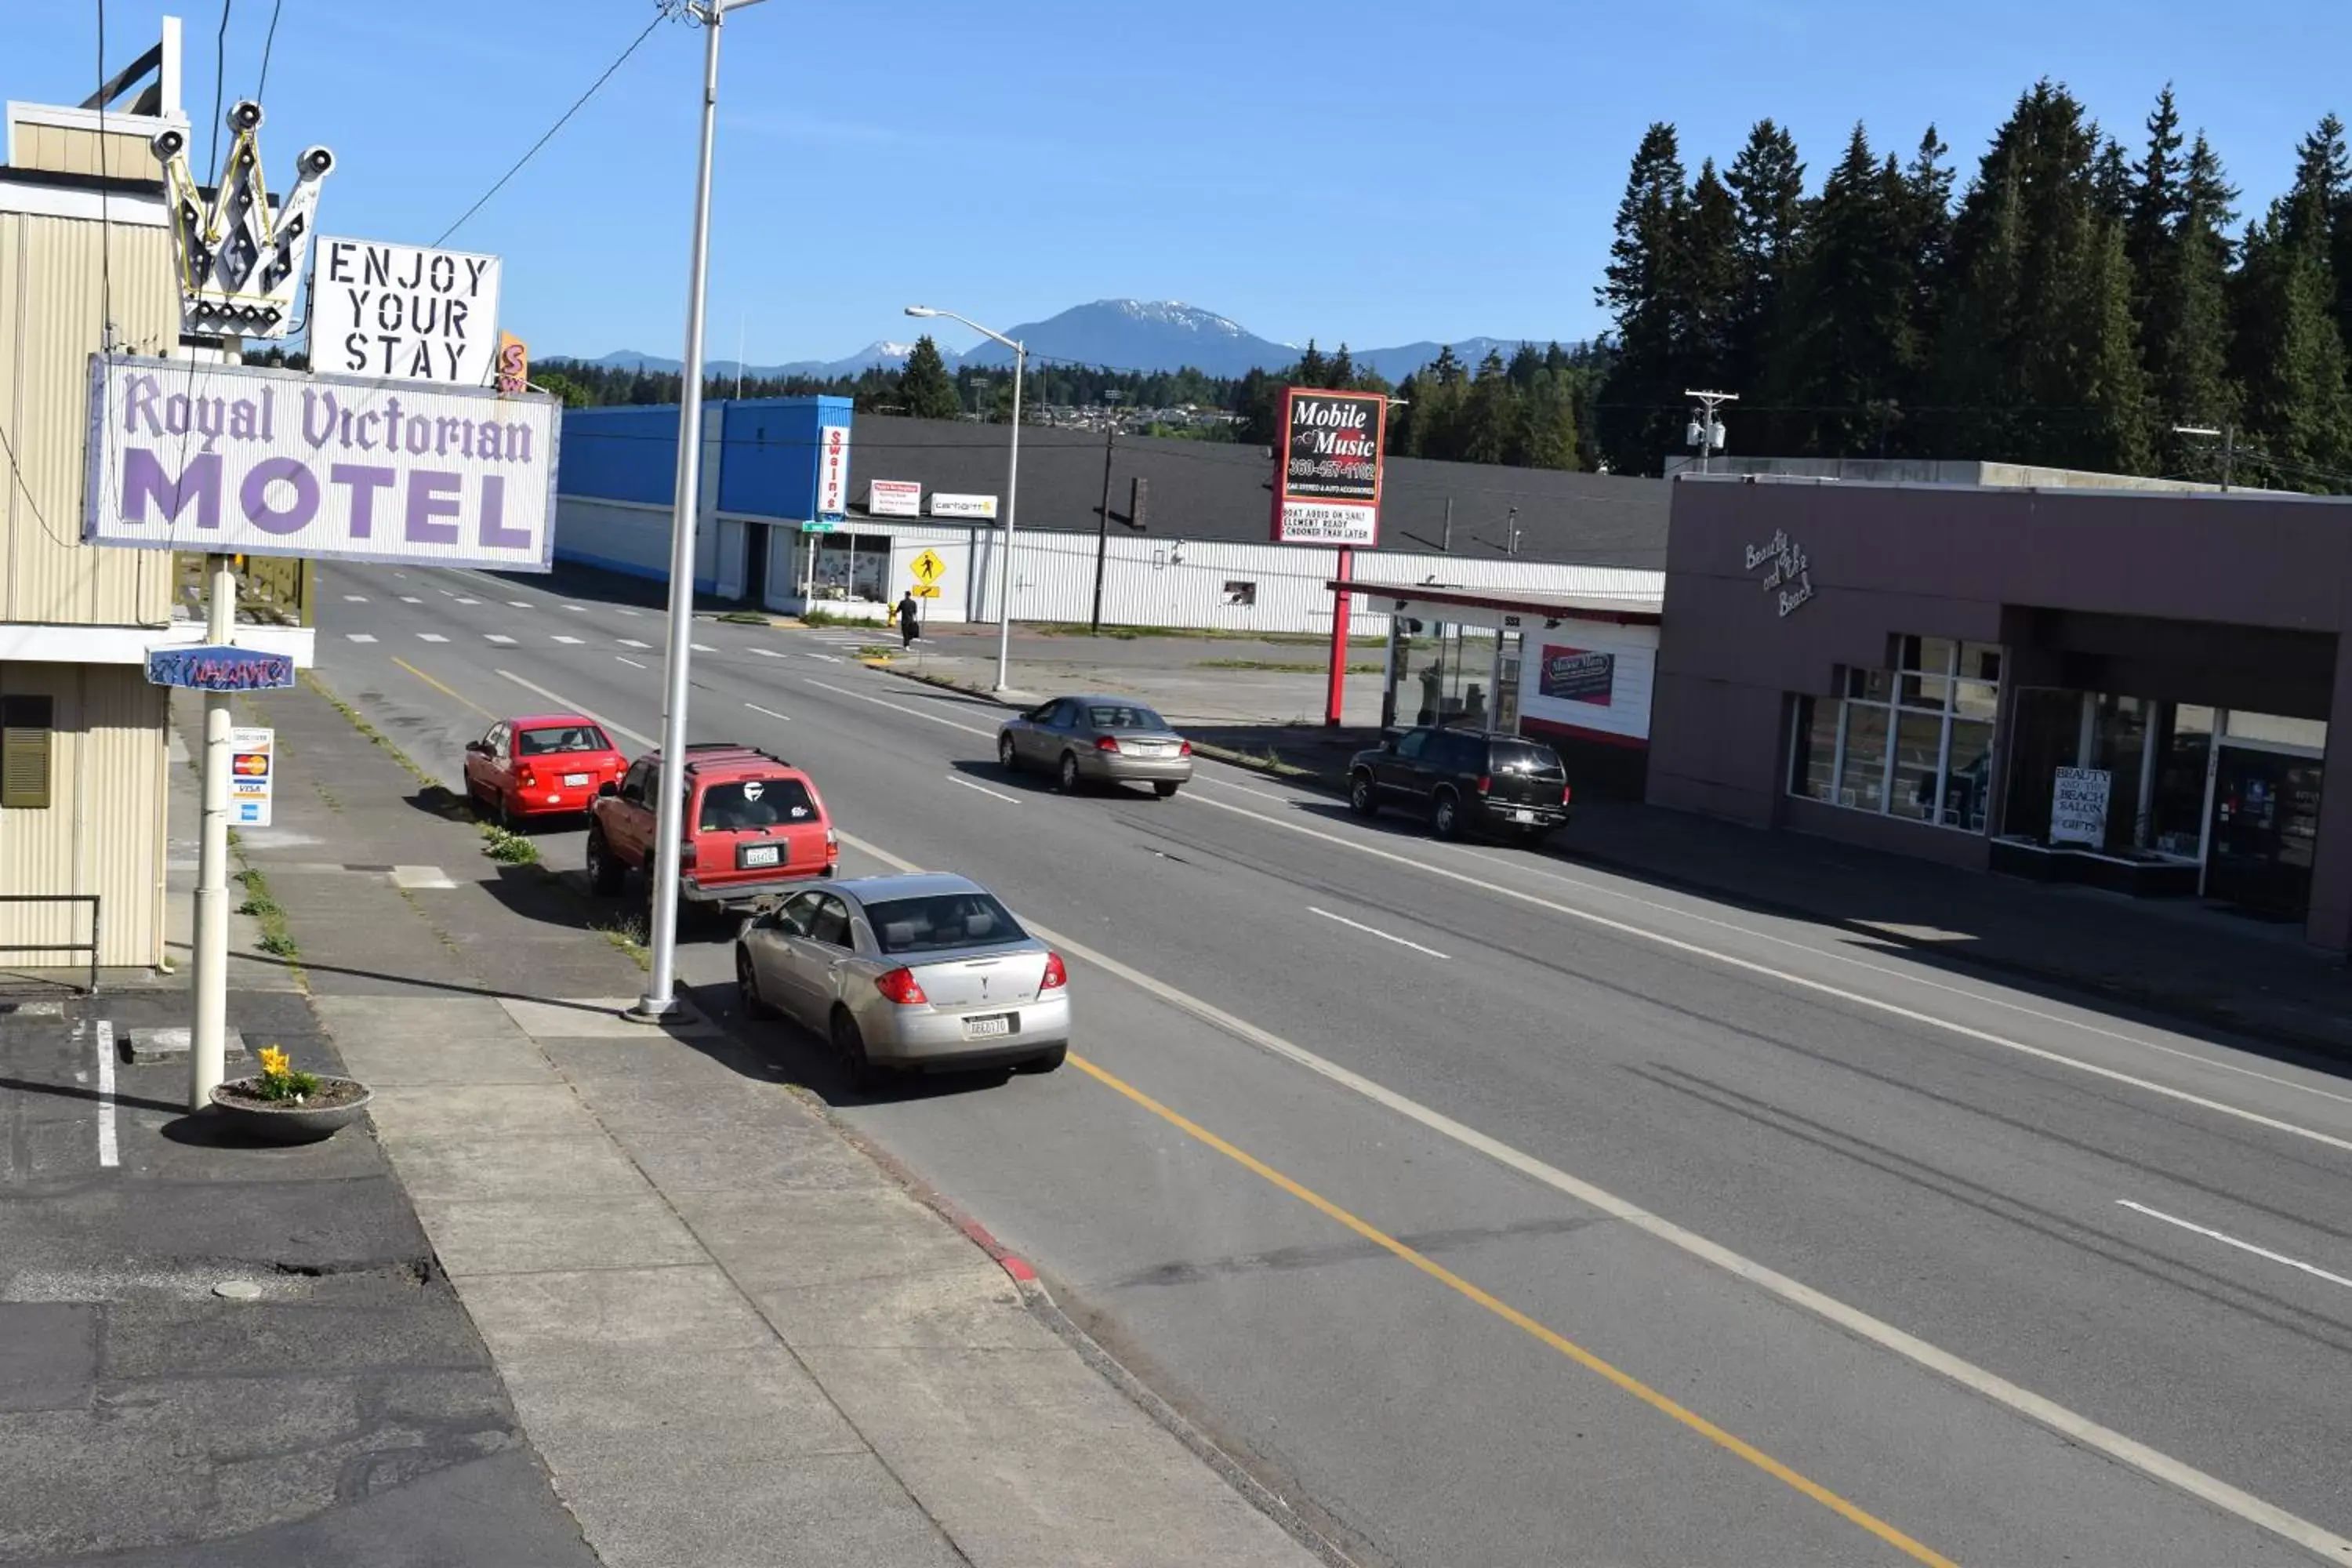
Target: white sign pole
x,y
209,972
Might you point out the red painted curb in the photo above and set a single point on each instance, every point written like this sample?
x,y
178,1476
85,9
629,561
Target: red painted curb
x,y
1011,1262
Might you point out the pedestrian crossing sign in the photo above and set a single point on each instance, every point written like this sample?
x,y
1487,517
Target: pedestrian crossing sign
x,y
928,569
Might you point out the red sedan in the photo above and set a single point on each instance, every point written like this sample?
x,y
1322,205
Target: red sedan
x,y
550,764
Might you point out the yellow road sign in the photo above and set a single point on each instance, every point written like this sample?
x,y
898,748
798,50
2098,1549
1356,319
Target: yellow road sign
x,y
925,591
929,568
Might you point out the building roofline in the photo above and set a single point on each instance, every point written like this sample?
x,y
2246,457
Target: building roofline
x,y
1620,612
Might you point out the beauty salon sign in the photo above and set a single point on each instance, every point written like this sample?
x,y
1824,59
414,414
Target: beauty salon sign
x,y
242,459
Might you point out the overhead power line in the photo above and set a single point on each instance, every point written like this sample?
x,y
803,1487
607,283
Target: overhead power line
x,y
659,17
269,43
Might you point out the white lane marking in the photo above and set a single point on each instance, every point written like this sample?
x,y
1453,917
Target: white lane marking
x,y
828,658
578,609
573,642
359,637
767,652
2023,1401
496,637
701,648
518,603
355,598
632,642
1822,987
1374,930
1903,976
431,637
1277,799
109,1153
896,708
568,706
632,663
769,712
467,601
623,610
2312,1269
410,599
992,794
447,593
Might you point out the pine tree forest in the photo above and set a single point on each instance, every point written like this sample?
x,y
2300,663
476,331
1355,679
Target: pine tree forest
x,y
2076,303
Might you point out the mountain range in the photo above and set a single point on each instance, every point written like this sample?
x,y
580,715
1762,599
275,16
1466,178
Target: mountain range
x,y
1120,334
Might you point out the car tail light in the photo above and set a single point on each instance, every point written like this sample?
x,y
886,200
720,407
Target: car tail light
x,y
686,853
1183,748
900,986
832,845
1056,977
527,778
1107,744
1566,795
1484,784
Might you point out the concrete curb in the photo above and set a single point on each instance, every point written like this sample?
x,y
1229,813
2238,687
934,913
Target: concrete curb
x,y
2101,987
1038,1298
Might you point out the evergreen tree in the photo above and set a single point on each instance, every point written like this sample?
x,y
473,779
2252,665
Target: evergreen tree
x,y
1709,299
2290,354
1849,347
925,390
1767,183
1546,423
2185,323
1341,369
1527,364
2116,434
2158,196
1640,403
1312,369
1488,414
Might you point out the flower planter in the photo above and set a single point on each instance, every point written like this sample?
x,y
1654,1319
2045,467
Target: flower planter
x,y
339,1102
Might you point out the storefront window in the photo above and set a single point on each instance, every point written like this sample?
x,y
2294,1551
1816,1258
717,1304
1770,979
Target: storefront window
x,y
1812,767
2184,744
2118,745
1915,742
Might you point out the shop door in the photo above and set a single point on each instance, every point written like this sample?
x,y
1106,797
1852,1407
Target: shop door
x,y
2265,830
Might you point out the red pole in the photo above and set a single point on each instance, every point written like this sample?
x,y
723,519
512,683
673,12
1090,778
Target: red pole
x,y
1341,601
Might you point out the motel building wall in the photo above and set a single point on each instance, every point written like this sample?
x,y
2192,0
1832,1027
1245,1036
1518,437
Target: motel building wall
x,y
762,501
83,736
1908,667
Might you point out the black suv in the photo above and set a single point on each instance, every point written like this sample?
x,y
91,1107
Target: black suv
x,y
1457,778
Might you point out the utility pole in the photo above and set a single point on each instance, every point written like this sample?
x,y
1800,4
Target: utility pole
x,y
659,999
1705,431
209,972
1511,532
2228,436
1102,524
1445,540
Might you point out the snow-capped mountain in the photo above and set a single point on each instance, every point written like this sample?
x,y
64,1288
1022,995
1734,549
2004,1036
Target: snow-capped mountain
x,y
1123,334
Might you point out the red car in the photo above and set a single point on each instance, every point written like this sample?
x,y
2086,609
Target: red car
x,y
550,764
754,824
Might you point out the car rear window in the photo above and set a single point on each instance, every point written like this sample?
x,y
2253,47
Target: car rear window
x,y
560,738
1123,716
746,805
939,921
1527,757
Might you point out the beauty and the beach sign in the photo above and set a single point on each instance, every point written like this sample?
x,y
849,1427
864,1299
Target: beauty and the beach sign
x,y
244,459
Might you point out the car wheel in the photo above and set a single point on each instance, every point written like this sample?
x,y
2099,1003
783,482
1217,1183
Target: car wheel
x,y
1006,757
605,874
1067,774
1445,814
1163,788
849,1045
1046,1061
504,814
747,986
1362,800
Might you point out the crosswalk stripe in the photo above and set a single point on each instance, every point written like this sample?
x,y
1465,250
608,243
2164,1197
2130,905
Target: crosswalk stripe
x,y
359,637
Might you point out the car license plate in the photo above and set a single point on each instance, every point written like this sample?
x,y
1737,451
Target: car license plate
x,y
1523,817
1155,751
762,855
995,1024
574,781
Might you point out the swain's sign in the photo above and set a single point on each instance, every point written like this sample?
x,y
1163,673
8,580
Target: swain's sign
x,y
242,459
1328,481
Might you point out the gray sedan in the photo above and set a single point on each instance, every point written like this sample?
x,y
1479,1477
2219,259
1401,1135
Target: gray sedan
x,y
922,972
1099,739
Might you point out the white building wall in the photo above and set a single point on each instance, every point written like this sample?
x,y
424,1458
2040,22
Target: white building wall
x,y
1633,655
1147,580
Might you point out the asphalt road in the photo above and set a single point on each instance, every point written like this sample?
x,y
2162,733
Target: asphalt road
x,y
1501,1210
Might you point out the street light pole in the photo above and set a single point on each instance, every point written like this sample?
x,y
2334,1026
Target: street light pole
x,y
1012,495
659,999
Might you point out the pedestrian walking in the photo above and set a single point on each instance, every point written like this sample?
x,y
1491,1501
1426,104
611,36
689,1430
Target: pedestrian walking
x,y
909,626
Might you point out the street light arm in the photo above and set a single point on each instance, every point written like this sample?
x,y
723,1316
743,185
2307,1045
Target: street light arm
x,y
967,321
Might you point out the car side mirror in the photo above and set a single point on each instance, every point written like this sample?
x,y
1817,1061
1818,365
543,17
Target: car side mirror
x,y
1388,742
482,746
608,787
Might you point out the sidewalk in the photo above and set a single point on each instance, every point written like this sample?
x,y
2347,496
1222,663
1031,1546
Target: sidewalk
x,y
733,1336
2190,964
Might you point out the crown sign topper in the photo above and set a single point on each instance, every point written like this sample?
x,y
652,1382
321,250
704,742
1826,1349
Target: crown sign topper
x,y
240,263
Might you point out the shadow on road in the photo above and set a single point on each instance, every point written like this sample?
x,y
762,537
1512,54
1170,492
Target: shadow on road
x,y
775,1050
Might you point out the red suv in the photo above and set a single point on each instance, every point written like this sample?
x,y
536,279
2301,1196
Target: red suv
x,y
754,824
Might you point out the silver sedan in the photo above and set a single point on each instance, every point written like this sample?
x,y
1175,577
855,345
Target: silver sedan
x,y
1097,740
914,973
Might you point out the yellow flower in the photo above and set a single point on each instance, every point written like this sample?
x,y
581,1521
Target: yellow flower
x,y
273,1061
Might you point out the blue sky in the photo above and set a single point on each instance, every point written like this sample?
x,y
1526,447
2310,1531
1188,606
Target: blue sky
x,y
1375,172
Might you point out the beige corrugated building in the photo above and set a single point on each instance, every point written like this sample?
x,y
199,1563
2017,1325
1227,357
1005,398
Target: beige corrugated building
x,y
84,246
